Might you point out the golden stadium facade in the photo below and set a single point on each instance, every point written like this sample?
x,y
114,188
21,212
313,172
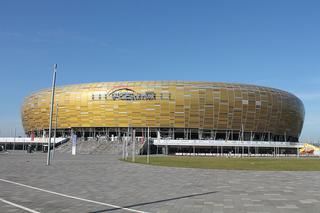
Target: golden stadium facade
x,y
175,109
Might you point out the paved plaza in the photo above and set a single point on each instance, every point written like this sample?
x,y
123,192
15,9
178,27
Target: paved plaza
x,y
102,183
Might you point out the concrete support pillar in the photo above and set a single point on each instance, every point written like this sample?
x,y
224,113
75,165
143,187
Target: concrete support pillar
x,y
200,134
173,133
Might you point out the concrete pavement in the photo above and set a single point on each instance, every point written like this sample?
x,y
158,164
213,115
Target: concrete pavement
x,y
135,187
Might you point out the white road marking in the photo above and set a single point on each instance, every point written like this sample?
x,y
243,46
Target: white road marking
x,y
18,206
73,197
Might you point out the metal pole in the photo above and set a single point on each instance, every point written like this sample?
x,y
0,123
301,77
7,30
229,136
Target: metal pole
x,y
14,144
126,147
128,140
51,111
194,150
15,135
55,130
242,139
134,146
148,152
123,148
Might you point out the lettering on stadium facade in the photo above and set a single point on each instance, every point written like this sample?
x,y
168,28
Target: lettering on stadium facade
x,y
130,95
126,94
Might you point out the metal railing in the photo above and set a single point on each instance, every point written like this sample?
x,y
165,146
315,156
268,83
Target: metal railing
x,y
226,143
29,140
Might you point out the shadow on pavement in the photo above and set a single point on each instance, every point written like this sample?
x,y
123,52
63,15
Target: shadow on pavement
x,y
157,201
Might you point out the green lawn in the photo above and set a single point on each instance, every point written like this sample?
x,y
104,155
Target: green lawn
x,y
261,164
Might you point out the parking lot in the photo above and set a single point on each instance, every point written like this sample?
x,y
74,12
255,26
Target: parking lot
x,y
102,183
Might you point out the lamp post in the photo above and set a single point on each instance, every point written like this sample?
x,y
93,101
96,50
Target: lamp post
x,y
55,130
51,111
148,146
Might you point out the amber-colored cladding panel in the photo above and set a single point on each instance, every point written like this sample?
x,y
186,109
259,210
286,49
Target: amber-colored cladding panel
x,y
175,104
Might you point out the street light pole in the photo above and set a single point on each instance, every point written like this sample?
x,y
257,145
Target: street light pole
x,y
51,111
148,151
55,130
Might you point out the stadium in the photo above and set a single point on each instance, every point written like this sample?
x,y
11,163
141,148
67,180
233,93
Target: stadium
x,y
179,116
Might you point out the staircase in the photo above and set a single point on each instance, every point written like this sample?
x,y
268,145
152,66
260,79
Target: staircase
x,y
97,146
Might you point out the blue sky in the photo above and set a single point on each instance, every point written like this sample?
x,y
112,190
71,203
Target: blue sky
x,y
272,43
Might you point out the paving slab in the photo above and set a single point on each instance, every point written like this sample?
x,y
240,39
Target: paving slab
x,y
103,178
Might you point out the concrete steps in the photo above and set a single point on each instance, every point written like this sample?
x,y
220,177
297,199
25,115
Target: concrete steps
x,y
92,146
